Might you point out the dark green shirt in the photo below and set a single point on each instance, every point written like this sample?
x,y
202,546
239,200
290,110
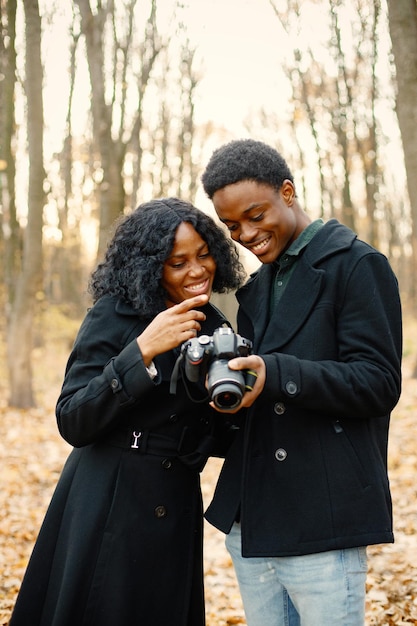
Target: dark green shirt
x,y
285,264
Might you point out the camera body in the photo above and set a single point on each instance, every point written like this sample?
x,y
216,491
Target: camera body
x,y
210,355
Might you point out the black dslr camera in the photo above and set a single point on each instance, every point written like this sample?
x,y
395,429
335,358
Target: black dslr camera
x,y
210,355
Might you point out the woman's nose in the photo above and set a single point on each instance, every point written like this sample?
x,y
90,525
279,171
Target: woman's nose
x,y
196,268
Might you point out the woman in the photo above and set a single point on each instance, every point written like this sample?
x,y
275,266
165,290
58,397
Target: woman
x,y
121,544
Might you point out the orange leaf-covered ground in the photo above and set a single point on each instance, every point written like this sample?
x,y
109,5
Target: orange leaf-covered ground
x,y
32,455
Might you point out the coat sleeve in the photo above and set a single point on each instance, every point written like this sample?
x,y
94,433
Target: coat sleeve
x,y
363,377
105,374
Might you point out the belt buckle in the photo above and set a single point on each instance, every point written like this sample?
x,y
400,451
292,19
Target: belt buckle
x,y
136,436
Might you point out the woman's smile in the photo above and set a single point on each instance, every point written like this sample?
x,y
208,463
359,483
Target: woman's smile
x,y
198,288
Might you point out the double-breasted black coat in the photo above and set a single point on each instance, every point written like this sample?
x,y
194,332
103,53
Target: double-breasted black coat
x,y
309,470
121,543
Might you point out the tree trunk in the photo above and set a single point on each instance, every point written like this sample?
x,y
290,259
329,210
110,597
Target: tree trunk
x,y
111,188
9,226
20,339
403,31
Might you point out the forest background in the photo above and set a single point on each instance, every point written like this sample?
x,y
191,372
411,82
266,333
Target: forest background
x,y
107,103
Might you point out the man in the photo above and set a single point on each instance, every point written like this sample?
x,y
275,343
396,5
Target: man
x,y
304,489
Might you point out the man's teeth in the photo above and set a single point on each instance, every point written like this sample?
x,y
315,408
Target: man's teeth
x,y
261,244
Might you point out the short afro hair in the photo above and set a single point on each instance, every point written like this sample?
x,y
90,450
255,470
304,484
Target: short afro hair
x,y
142,242
245,159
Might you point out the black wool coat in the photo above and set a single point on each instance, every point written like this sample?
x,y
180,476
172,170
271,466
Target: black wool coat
x,y
121,543
308,473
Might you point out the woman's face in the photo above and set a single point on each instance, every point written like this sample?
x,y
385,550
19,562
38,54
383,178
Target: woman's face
x,y
190,269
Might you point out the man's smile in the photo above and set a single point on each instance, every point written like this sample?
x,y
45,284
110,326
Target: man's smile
x,y
258,247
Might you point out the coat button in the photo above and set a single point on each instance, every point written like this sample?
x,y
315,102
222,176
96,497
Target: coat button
x,y
114,384
279,408
166,463
280,454
173,418
160,511
291,388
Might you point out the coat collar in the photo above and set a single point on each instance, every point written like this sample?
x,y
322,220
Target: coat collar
x,y
301,294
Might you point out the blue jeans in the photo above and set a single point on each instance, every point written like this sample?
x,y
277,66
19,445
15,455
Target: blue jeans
x,y
323,589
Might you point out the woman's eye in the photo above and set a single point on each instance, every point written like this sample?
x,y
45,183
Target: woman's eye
x,y
204,255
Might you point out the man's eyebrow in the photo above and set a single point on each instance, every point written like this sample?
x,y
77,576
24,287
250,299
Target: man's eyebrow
x,y
254,205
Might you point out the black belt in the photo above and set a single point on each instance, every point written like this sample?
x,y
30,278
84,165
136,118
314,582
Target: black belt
x,y
146,442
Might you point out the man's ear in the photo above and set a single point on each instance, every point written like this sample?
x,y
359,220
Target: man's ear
x,y
288,191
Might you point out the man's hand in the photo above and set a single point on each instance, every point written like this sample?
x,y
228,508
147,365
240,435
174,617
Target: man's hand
x,y
256,364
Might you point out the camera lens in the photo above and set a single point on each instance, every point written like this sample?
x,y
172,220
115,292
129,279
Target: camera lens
x,y
225,386
227,398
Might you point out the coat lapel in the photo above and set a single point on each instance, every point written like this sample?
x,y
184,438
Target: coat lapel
x,y
300,295
253,299
293,310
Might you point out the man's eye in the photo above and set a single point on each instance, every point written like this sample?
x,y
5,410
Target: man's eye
x,y
232,227
257,218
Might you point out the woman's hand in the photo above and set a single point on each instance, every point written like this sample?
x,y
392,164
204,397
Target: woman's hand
x,y
257,365
171,327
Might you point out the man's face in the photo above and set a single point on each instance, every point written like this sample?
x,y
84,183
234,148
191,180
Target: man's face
x,y
259,217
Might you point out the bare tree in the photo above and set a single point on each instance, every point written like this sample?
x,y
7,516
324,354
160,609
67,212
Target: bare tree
x,y
9,227
322,102
403,31
187,178
336,94
358,92
172,143
65,263
20,335
112,131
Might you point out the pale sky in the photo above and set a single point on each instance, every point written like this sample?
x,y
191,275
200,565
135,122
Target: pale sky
x,y
241,45
239,50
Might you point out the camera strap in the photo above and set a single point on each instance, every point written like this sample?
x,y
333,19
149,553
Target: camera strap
x,y
175,375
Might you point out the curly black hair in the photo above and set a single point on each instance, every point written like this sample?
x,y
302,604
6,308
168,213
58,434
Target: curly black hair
x,y
142,242
245,159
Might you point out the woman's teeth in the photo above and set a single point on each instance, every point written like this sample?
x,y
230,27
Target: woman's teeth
x,y
197,287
